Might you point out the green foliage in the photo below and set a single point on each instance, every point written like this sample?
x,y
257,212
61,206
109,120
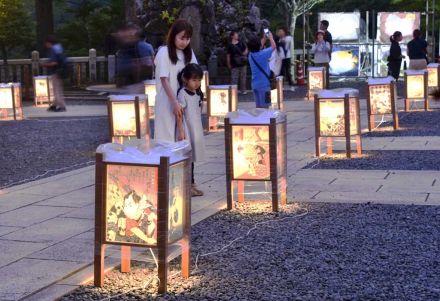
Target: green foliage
x,y
16,32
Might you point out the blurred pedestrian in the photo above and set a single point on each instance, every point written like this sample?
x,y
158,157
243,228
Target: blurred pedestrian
x,y
276,60
57,69
395,57
169,61
417,51
236,60
286,44
321,49
323,26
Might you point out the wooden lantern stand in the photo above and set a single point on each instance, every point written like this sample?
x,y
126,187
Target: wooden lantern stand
x,y
433,77
16,110
214,119
49,98
312,89
277,95
408,93
372,110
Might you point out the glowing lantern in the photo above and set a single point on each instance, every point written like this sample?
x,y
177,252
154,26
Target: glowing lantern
x,y
221,100
381,100
433,76
150,91
337,114
316,80
43,90
205,83
416,87
143,200
10,102
255,143
128,117
277,95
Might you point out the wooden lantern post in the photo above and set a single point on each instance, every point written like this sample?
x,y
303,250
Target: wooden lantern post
x,y
150,91
277,95
255,148
337,114
128,117
416,87
10,102
43,91
221,100
381,100
316,80
146,205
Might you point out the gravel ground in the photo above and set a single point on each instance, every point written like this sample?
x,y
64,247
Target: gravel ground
x,y
411,124
34,147
381,160
318,252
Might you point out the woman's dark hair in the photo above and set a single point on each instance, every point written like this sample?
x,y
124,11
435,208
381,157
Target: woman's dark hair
x,y
395,35
284,28
177,27
417,33
254,44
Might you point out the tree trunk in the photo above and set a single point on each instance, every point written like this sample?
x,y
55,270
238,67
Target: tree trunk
x,y
292,49
44,18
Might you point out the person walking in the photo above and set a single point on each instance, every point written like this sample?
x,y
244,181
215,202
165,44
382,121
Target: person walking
x,y
417,51
323,26
259,62
395,57
169,61
236,60
286,44
321,49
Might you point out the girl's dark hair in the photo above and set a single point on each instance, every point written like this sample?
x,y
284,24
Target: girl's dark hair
x,y
254,44
191,71
395,35
177,27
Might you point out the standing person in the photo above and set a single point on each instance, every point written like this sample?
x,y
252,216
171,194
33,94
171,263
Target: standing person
x,y
189,125
169,61
286,44
323,26
276,60
259,62
395,57
321,49
56,69
417,51
236,60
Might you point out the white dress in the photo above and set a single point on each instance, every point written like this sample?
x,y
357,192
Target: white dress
x,y
190,103
164,120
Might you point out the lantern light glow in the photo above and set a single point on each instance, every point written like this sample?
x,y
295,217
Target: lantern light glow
x,y
43,90
10,101
150,91
221,100
381,100
316,80
416,87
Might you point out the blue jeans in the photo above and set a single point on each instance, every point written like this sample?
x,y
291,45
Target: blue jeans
x,y
260,96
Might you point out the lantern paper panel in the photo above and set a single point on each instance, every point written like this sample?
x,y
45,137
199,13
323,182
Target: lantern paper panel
x,y
354,117
219,102
433,75
250,152
150,91
332,120
380,99
10,101
277,95
143,116
131,204
43,89
6,97
316,79
176,199
124,119
415,86
281,149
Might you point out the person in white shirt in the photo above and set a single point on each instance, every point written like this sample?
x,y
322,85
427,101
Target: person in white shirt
x,y
286,43
276,60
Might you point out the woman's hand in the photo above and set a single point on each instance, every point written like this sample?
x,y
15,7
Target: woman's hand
x,y
177,110
180,136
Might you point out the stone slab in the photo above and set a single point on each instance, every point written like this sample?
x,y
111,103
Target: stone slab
x,y
29,215
86,212
11,251
6,229
14,200
77,198
78,250
52,292
407,198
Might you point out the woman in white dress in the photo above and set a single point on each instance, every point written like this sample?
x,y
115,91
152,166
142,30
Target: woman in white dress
x,y
169,61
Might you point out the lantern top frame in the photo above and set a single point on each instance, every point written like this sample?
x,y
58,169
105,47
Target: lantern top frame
x,y
338,93
126,97
315,68
410,72
380,80
255,116
222,87
433,65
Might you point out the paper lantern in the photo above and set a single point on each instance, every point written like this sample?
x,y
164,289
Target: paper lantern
x,y
221,100
205,83
316,80
381,100
43,91
433,76
128,117
416,87
277,95
150,91
10,102
143,200
255,148
337,114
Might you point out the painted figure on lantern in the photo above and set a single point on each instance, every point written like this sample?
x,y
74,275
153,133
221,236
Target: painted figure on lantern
x,y
332,121
175,223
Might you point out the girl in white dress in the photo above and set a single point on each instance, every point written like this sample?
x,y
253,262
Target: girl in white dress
x,y
169,61
190,125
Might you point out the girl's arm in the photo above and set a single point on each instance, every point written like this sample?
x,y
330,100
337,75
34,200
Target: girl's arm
x,y
177,109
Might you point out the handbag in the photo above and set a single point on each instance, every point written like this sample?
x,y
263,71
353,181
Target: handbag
x,y
271,77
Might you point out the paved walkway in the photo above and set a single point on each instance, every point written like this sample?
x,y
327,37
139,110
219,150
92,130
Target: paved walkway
x,y
46,226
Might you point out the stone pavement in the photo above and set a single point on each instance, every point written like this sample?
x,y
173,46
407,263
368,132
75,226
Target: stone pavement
x,y
46,226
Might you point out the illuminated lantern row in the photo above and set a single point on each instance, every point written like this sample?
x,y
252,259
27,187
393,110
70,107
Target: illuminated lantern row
x,y
142,200
277,95
433,76
128,117
221,100
381,100
10,102
150,91
43,91
337,114
316,80
255,148
416,87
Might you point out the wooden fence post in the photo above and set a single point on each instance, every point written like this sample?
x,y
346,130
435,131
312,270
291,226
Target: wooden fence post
x,y
111,68
92,65
35,62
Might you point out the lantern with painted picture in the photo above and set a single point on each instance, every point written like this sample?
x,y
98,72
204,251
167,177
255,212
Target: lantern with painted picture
x,y
150,91
142,200
433,76
316,80
43,91
416,88
10,102
255,148
381,101
128,117
337,115
277,95
221,100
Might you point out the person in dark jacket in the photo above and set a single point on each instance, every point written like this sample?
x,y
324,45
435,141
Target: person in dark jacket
x,y
417,51
395,57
